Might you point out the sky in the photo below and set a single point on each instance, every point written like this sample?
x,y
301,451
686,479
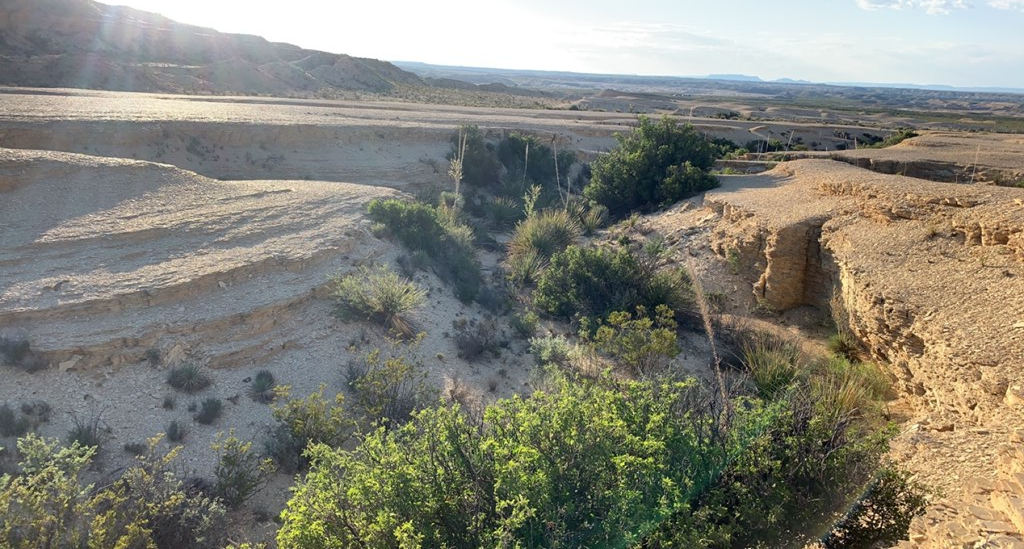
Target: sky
x,y
968,43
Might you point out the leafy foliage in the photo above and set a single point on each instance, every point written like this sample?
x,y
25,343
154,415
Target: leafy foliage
x,y
305,421
47,505
595,282
390,386
239,473
381,295
640,344
658,163
420,227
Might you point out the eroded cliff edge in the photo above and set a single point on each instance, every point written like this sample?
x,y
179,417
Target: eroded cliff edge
x,y
931,277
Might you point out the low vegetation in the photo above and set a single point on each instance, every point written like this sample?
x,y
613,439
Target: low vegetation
x,y
448,243
380,295
48,504
190,378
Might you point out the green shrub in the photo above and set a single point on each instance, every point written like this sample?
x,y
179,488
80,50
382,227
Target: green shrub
x,y
389,387
421,228
546,233
640,344
657,163
551,349
210,409
772,362
882,516
189,377
503,212
479,163
844,344
595,282
48,504
519,152
262,389
525,323
381,295
305,421
239,473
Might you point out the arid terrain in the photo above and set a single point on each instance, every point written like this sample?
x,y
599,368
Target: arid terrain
x,y
141,231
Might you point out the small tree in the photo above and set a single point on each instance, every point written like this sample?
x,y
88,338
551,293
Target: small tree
x,y
658,163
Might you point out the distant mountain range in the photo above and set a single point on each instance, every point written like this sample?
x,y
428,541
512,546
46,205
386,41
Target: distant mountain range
x,y
85,44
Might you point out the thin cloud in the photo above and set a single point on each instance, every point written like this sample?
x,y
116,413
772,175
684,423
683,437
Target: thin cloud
x,y
932,7
1007,4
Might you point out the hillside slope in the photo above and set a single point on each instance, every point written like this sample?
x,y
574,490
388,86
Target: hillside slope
x,y
86,44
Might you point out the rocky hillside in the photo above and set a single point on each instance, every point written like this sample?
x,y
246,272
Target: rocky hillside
x,y
85,44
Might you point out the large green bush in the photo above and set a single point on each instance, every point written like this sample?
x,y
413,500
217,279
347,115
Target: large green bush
x,y
658,163
595,282
420,227
479,165
605,463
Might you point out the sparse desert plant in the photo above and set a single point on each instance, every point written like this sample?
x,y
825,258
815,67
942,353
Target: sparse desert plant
x,y
87,433
523,269
551,349
189,378
209,410
594,218
12,422
393,385
503,212
14,347
844,344
239,473
262,389
176,431
37,411
525,323
772,362
153,356
380,295
305,421
169,402
135,448
547,233
474,339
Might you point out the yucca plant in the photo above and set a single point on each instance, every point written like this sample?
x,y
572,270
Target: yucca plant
x,y
503,212
548,233
524,268
262,389
189,378
381,295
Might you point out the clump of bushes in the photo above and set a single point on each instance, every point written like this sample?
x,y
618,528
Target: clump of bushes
x,y
189,377
381,295
640,344
595,282
305,421
658,163
660,461
12,422
239,473
16,350
148,506
390,386
422,228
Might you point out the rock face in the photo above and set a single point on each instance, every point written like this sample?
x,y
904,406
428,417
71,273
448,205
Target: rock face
x,y
102,259
85,44
931,279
